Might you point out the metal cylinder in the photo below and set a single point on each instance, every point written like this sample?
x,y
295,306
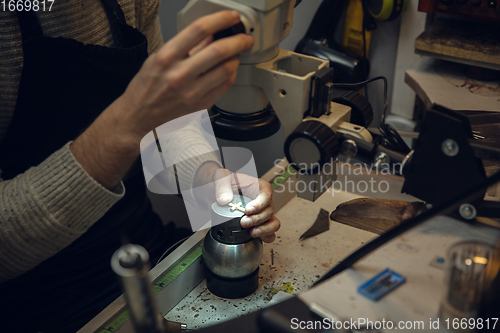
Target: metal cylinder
x,y
228,249
226,227
232,260
231,255
131,263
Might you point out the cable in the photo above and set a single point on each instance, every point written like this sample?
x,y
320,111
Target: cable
x,y
171,248
392,137
446,207
361,84
396,140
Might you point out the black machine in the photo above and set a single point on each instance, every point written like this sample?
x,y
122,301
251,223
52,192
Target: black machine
x,y
319,42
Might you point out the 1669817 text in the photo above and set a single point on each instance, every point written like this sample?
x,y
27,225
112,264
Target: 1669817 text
x,y
26,5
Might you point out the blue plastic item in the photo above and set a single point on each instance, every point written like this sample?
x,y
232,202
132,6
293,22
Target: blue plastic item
x,y
381,284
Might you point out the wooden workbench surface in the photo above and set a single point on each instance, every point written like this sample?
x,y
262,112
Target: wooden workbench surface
x,y
294,262
412,255
289,263
439,82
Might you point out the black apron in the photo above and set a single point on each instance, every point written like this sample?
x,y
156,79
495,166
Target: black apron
x,y
64,86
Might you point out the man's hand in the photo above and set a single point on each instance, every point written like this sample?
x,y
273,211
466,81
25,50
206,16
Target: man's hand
x,y
259,212
188,74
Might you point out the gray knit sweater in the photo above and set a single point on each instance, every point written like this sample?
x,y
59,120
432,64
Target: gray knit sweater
x,y
49,206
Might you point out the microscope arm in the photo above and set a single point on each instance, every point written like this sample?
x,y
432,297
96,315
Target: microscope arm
x,y
291,83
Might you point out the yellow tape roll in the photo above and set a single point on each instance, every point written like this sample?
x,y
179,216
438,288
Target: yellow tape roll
x,y
386,10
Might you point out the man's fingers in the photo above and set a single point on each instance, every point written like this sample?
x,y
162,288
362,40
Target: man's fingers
x,y
223,189
201,46
263,199
197,31
265,187
221,75
217,52
256,219
266,229
213,95
269,239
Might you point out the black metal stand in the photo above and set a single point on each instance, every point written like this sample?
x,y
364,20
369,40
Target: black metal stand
x,y
232,288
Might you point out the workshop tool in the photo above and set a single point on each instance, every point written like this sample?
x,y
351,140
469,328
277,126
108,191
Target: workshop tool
x,y
231,255
131,264
465,280
319,41
386,10
381,284
356,39
375,215
321,224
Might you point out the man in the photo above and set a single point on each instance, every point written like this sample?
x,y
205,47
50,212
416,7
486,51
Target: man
x,y
78,94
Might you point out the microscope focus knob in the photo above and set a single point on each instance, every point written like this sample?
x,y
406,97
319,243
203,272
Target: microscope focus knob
x,y
234,30
362,111
312,145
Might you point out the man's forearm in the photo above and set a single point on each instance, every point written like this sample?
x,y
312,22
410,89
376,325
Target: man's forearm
x,y
105,151
169,85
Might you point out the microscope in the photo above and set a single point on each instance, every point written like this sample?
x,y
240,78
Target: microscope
x,y
279,88
274,88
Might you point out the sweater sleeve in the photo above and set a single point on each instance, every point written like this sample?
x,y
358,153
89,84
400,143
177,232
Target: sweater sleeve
x,y
45,209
